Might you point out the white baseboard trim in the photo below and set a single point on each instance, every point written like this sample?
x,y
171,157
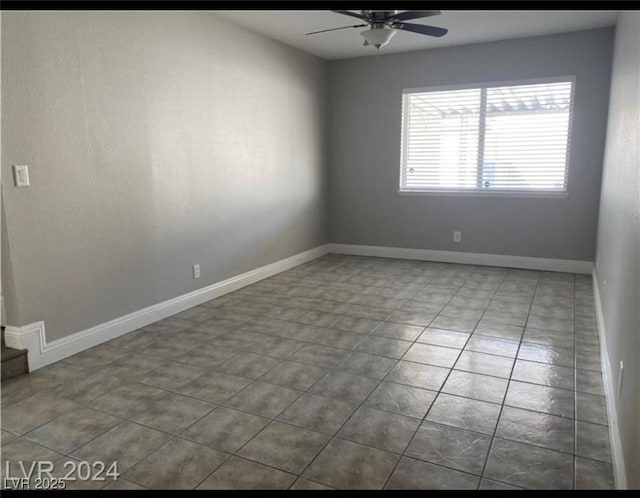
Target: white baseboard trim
x,y
41,352
609,391
469,258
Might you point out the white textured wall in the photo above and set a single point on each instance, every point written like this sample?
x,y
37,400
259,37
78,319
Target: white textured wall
x,y
618,270
155,140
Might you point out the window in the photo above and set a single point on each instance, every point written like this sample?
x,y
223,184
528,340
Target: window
x,y
492,138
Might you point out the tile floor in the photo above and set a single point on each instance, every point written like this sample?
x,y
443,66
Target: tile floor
x,y
346,372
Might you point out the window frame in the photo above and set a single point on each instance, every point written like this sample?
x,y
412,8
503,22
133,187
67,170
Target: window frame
x,y
489,192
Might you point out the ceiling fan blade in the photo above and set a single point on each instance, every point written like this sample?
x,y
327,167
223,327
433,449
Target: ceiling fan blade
x,y
334,29
415,14
421,29
352,14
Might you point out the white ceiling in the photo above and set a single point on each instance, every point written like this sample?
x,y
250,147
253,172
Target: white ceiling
x,y
289,26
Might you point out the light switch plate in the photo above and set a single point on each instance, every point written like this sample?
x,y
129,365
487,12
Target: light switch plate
x,y
21,175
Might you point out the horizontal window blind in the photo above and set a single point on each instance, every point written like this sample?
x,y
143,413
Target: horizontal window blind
x,y
493,138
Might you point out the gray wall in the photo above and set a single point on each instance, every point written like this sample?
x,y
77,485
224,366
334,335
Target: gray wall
x,y
155,141
366,93
618,269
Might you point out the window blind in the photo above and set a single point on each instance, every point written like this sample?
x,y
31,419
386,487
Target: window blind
x,y
493,138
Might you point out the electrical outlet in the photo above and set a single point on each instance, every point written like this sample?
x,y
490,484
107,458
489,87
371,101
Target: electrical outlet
x,y
620,379
457,236
196,271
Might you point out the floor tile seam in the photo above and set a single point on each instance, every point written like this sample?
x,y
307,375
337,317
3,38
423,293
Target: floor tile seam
x,y
504,398
437,395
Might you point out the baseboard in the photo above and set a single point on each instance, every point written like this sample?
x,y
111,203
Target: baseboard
x,y
469,258
609,391
41,352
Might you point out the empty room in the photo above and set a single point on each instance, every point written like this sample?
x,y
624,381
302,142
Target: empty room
x,y
320,249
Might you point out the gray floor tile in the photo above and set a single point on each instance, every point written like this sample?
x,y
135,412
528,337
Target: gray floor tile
x,y
546,323
529,466
285,447
354,324
465,413
418,375
367,365
170,376
128,399
383,346
5,437
248,365
543,374
173,413
123,484
214,387
294,375
546,354
127,444
136,340
132,365
347,465
471,385
306,484
491,345
591,408
415,474
549,338
592,441
401,399
87,387
25,415
95,357
179,464
384,430
488,484
592,474
344,386
450,447
72,429
447,338
21,450
206,356
225,429
318,413
588,360
321,356
415,318
327,314
266,400
539,429
398,331
456,324
238,473
432,355
486,327
540,398
485,364
589,382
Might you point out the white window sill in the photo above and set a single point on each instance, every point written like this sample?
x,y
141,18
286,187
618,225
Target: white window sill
x,y
477,193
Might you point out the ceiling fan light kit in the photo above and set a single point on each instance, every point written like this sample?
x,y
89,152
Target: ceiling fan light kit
x,y
384,24
378,37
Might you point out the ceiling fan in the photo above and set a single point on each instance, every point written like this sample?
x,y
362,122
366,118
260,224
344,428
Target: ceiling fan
x,y
383,24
